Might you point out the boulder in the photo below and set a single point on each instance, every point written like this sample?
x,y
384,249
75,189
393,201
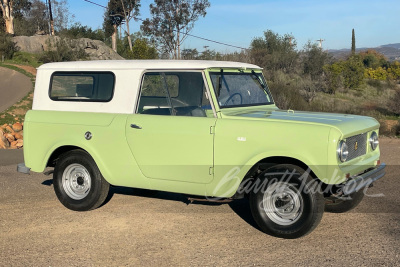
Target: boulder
x,y
20,143
18,135
97,50
17,127
10,138
9,129
3,141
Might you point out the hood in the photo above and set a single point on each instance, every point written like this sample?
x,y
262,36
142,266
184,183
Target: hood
x,y
346,123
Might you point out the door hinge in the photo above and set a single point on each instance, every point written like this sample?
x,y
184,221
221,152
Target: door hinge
x,y
212,129
211,171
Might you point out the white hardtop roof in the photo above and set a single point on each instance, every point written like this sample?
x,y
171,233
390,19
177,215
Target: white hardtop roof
x,y
144,64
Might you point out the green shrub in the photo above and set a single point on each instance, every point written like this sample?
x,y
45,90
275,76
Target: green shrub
x,y
26,58
79,31
394,104
62,50
7,46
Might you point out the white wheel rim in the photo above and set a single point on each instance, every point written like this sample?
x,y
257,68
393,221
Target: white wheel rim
x,y
283,203
76,181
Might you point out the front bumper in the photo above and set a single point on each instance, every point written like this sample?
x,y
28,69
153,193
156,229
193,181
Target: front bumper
x,y
357,182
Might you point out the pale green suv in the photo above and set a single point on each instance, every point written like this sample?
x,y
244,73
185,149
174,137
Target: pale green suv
x,y
207,129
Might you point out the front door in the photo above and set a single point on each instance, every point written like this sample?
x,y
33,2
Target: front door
x,y
170,135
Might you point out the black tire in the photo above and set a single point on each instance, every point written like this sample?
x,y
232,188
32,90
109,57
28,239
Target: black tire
x,y
299,193
344,204
78,182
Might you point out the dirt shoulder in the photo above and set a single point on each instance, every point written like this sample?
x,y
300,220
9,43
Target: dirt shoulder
x,y
135,227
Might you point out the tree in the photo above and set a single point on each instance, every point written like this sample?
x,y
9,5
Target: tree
x,y
353,72
113,18
117,13
34,19
275,52
7,7
171,22
130,10
7,46
142,50
314,59
79,31
373,59
353,42
11,9
61,14
189,53
334,77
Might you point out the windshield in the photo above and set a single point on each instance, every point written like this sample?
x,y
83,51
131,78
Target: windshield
x,y
235,89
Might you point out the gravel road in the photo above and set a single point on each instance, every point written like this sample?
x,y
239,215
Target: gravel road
x,y
138,228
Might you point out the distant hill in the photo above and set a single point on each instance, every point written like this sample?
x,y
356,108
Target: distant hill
x,y
390,51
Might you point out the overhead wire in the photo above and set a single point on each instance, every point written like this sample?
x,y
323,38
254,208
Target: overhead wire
x,y
191,35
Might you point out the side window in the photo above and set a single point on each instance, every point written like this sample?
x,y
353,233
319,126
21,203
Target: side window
x,y
82,86
154,95
174,93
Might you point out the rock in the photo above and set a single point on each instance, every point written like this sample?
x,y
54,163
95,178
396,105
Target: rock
x,y
13,147
96,49
17,127
18,135
10,138
3,141
20,143
9,129
14,143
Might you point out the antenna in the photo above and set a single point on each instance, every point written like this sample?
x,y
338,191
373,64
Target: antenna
x,y
320,42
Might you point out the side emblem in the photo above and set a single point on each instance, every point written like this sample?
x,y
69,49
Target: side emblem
x,y
356,146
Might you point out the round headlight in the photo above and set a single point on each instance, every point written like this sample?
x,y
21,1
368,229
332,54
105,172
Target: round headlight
x,y
343,151
373,140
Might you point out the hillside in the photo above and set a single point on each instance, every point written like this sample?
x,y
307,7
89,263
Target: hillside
x,y
390,51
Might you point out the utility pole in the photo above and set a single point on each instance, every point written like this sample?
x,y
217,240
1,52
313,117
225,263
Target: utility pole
x,y
320,43
51,19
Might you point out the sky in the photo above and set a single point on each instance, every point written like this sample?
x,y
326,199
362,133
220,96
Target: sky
x,y
239,22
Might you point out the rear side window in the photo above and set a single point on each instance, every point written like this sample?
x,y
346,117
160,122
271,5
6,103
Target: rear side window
x,y
82,86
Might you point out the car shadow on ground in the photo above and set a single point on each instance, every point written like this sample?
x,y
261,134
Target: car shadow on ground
x,y
240,206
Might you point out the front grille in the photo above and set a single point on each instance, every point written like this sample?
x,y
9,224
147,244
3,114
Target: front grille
x,y
357,146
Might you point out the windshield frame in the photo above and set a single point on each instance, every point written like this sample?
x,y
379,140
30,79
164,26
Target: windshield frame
x,y
237,71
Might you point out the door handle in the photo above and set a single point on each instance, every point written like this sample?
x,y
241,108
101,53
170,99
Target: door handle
x,y
134,126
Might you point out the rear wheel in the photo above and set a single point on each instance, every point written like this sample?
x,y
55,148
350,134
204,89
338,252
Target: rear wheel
x,y
78,182
289,203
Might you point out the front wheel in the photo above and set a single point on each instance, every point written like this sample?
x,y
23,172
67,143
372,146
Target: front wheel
x,y
78,182
286,202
